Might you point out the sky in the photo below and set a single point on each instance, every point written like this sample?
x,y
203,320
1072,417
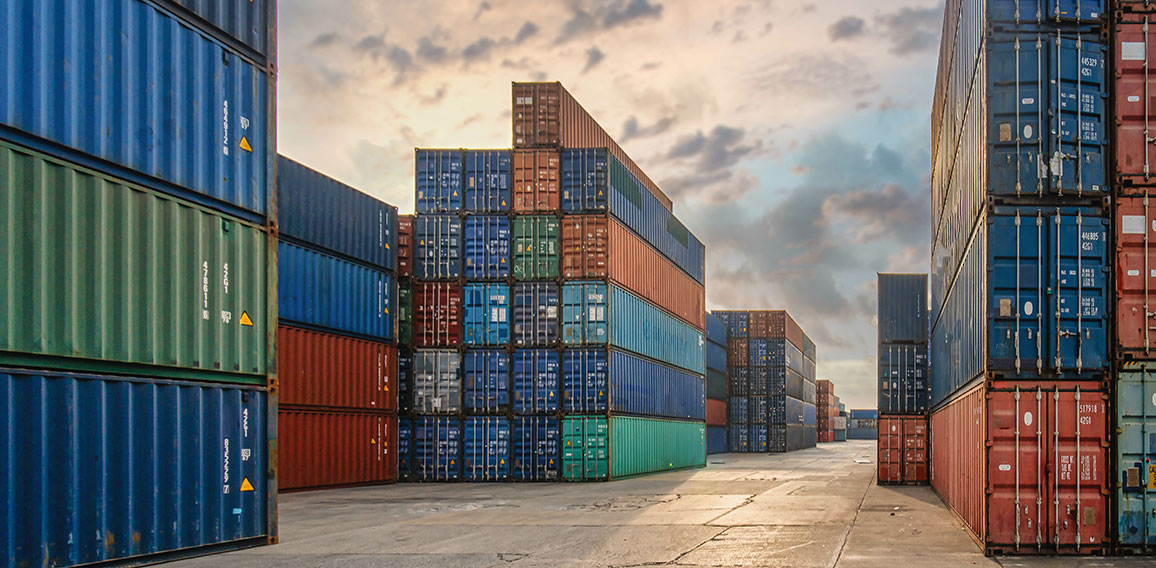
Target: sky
x,y
792,135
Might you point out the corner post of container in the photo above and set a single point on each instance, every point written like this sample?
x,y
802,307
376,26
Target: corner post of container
x,y
1039,467
1017,453
271,272
1055,467
1079,518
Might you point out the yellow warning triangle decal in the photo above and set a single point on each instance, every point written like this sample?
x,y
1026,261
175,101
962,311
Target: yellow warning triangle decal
x,y
503,203
551,461
386,246
245,485
245,319
502,462
245,144
372,441
451,462
387,309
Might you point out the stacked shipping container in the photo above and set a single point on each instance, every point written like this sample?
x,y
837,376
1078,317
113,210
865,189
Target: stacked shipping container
x,y
903,386
862,423
716,384
827,411
122,205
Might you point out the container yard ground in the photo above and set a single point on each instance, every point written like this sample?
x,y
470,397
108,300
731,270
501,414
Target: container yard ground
x,y
812,508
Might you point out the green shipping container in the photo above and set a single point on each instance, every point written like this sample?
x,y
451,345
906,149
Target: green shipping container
x,y
599,448
405,312
100,275
537,247
1135,450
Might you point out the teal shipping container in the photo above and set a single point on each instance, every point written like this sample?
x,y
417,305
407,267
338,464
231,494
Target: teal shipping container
x,y
487,314
599,448
1135,450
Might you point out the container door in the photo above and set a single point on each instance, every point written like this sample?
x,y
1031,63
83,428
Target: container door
x,y
890,450
1078,277
1018,299
1078,484
1079,67
1135,83
1135,449
1136,275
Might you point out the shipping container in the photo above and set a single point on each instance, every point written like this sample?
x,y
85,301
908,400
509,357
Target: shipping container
x,y
404,378
437,314
594,181
487,309
103,469
738,410
716,328
537,181
738,438
716,439
759,438
437,381
322,213
322,291
535,314
487,182
249,28
487,247
865,413
863,433
716,412
405,311
331,371
486,448
738,324
1135,280
903,449
715,356
405,454
775,381
537,247
902,308
716,385
438,175
405,248
738,352
777,324
486,381
536,381
537,441
545,115
790,437
1135,475
438,247
774,353
129,109
1132,83
437,448
326,448
600,448
809,353
109,277
903,385
840,435
595,381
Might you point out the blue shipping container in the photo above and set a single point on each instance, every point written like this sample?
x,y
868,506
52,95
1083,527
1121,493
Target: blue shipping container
x,y
715,356
902,308
758,438
487,247
903,382
536,381
437,247
317,290
716,439
438,176
536,445
108,468
243,24
404,449
486,382
595,381
487,314
739,439
488,181
716,329
437,448
1044,14
738,410
133,86
740,380
487,448
404,379
775,352
776,381
864,414
437,381
535,317
324,213
738,324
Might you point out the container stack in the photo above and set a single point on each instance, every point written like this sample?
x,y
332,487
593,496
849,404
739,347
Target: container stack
x,y
1021,264
862,423
771,382
839,424
337,366
826,409
557,309
716,384
138,282
904,392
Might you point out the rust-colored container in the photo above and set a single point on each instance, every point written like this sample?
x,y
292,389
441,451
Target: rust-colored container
x,y
1134,156
775,324
331,371
437,314
738,352
405,245
324,448
1135,280
596,246
1024,465
545,115
716,412
537,181
902,450
825,387
826,436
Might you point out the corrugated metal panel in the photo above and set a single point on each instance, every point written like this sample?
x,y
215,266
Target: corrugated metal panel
x,y
715,356
716,384
1134,59
716,439
716,329
487,181
716,412
405,245
486,381
486,448
101,468
131,102
487,314
438,176
865,413
404,378
959,335
739,380
739,438
102,275
437,381
326,214
599,448
331,371
319,290
863,433
405,311
1135,448
759,438
537,247
774,352
536,381
903,386
404,449
437,314
1135,255
324,448
902,308
438,247
487,247
247,23
841,435
902,450
537,181
738,409
536,443
585,246
535,313
597,380
437,448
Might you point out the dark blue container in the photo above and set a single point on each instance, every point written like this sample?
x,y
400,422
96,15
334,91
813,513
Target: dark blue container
x,y
903,382
738,324
487,247
438,176
716,439
716,329
404,379
864,414
758,409
321,212
535,313
437,448
776,381
404,449
536,445
740,381
738,410
758,438
486,381
809,414
595,381
488,181
739,439
487,448
536,381
774,352
902,308
100,469
242,25
437,247
716,356
487,309
320,291
1045,14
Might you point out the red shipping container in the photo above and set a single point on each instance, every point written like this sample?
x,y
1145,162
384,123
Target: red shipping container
x,y
537,181
1134,58
437,314
545,115
825,387
1024,465
332,371
318,448
776,324
1135,283
716,412
902,450
738,352
405,245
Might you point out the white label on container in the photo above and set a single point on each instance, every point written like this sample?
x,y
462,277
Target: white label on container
x,y
1004,467
225,480
1028,308
1152,274
1154,400
1133,273
1132,50
551,311
1028,131
1028,100
1133,99
225,127
1132,224
1027,419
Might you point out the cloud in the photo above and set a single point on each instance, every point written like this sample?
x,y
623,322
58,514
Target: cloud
x,y
847,27
632,129
430,51
479,50
482,9
527,31
710,159
594,56
324,40
912,30
722,148
591,16
370,45
809,75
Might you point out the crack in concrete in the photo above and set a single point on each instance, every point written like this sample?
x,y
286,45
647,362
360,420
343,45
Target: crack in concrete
x,y
851,527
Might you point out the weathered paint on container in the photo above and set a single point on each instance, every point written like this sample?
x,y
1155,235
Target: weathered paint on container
x,y
545,115
537,181
716,384
738,438
716,412
1134,57
715,356
101,468
777,324
486,448
536,381
487,181
903,386
537,440
535,313
437,314
1135,448
106,276
716,328
327,448
600,448
537,247
438,247
437,381
596,381
486,381
249,27
487,309
902,306
1135,283
438,178
318,211
318,290
903,450
437,448
154,101
335,372
716,439
405,248
404,378
405,311
487,247
773,353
